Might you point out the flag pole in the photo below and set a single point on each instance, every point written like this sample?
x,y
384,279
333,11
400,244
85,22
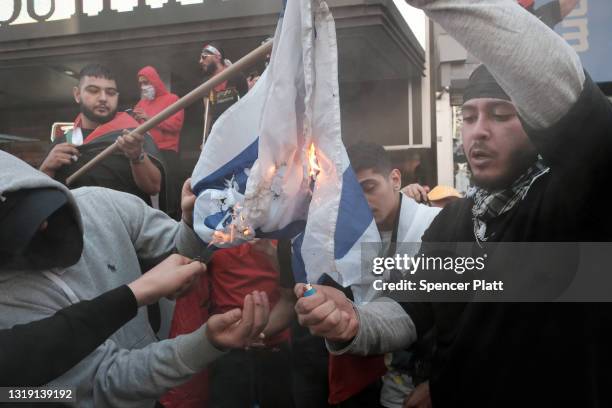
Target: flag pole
x,y
206,119
197,94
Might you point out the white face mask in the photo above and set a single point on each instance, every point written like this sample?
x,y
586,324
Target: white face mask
x,y
147,92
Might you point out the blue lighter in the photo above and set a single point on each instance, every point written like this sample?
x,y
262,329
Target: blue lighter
x,y
309,290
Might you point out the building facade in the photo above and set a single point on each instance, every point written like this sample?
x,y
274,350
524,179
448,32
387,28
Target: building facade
x,y
385,92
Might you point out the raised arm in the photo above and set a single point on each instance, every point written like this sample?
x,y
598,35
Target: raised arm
x,y
536,67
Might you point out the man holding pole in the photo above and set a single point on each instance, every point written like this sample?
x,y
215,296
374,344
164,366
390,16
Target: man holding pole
x,y
137,170
193,96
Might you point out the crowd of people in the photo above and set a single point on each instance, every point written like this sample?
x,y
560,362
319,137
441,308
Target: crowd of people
x,y
78,265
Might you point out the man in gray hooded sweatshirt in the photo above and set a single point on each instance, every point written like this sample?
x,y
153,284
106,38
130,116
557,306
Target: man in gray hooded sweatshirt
x,y
105,232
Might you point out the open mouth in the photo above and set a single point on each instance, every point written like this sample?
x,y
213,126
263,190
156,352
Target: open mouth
x,y
480,156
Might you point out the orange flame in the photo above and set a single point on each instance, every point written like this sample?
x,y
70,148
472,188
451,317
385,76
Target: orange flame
x,y
236,229
312,161
220,237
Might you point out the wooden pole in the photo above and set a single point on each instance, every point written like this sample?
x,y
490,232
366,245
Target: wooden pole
x,y
206,119
198,93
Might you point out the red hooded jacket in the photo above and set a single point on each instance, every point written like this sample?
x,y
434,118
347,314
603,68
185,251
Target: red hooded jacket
x,y
166,134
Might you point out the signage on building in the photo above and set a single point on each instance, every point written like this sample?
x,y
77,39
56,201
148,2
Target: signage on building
x,y
588,29
31,19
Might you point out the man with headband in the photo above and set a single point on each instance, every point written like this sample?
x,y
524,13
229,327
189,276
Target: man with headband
x,y
537,136
213,62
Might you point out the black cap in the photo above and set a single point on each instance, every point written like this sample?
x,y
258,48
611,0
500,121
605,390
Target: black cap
x,y
483,85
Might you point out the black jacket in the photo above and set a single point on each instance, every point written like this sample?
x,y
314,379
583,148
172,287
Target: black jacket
x,y
533,354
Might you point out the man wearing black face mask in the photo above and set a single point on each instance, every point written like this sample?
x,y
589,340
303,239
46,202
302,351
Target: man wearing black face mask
x,y
39,230
61,247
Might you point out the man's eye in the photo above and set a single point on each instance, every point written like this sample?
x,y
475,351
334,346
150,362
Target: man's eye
x,y
502,117
368,188
469,118
111,93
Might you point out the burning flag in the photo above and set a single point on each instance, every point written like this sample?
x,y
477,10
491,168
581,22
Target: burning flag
x,y
274,164
252,175
339,218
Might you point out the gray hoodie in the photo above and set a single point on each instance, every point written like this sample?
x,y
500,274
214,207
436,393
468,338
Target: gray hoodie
x,y
130,369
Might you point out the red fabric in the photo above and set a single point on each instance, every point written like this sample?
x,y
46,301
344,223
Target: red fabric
x,y
121,121
166,134
236,272
348,375
190,313
526,3
221,87
232,274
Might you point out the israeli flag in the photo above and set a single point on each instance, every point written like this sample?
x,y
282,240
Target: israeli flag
x,y
251,179
220,176
275,165
339,218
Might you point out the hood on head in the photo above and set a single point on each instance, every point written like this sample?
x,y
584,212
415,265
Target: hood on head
x,y
151,74
29,198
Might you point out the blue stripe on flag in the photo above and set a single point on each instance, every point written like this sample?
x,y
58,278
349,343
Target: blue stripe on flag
x,y
213,220
233,168
297,262
354,215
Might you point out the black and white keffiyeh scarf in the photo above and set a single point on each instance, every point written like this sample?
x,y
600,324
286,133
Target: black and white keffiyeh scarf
x,y
491,204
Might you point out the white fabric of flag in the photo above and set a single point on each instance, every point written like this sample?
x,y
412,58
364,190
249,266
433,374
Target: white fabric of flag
x,y
275,164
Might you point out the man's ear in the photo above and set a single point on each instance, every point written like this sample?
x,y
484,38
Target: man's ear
x,y
396,179
76,92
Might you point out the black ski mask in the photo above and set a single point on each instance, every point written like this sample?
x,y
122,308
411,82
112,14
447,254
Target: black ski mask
x,y
38,230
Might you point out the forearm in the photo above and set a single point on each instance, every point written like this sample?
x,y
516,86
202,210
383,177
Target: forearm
x,y
383,327
187,242
70,335
45,169
48,172
536,67
44,165
146,176
124,377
